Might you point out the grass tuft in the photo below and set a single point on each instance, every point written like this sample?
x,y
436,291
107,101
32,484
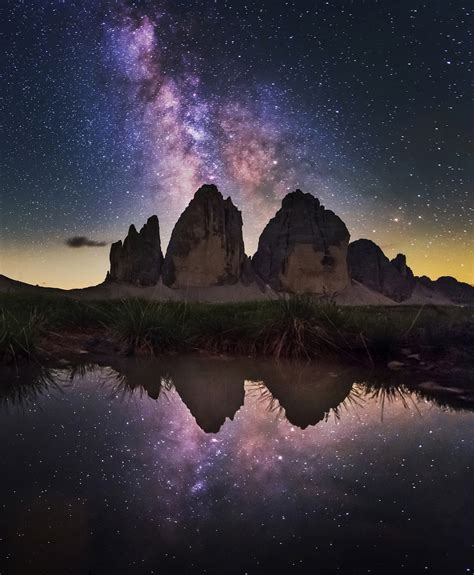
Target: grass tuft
x,y
148,327
19,335
299,328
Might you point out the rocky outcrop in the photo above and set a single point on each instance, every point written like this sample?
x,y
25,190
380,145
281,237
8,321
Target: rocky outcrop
x,y
458,292
206,247
400,263
303,249
138,260
371,267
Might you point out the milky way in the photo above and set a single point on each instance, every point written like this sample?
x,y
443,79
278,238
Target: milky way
x,y
117,110
242,136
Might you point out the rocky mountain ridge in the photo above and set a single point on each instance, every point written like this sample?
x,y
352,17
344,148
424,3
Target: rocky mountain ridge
x,y
304,248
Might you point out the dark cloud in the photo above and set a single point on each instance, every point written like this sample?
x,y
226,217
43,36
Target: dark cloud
x,y
83,241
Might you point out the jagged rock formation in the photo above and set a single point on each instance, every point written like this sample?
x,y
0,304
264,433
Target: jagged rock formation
x,y
458,292
400,263
371,267
303,249
206,247
138,260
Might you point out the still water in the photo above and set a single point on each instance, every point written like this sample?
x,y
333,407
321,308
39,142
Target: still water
x,y
191,465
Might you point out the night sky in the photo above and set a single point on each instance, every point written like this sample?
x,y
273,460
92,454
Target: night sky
x,y
112,111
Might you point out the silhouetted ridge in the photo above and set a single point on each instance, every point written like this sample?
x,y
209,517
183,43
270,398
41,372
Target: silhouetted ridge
x,y
456,291
372,268
138,260
304,248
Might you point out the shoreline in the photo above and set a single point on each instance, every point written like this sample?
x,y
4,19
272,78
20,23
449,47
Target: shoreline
x,y
442,382
431,345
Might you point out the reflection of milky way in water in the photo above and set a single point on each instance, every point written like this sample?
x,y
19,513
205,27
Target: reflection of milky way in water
x,y
116,467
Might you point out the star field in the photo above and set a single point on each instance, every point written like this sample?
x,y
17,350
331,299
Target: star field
x,y
127,483
115,110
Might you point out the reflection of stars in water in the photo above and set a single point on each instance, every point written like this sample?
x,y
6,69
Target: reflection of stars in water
x,y
259,449
149,472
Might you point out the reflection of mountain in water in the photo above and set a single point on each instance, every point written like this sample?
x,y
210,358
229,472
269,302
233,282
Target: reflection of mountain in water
x,y
211,392
309,397
213,389
142,375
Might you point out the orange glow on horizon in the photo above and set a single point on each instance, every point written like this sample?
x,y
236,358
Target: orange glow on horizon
x,y
67,268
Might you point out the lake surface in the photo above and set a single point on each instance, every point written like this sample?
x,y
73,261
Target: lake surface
x,y
190,465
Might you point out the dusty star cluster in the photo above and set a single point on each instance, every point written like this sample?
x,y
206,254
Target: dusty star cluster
x,y
115,110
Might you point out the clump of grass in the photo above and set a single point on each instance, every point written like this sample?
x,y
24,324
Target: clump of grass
x,y
19,335
300,328
148,327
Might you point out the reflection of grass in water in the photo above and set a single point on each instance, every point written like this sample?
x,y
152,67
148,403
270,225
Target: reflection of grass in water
x,y
23,388
383,392
264,397
388,392
120,385
26,386
355,399
271,404
80,370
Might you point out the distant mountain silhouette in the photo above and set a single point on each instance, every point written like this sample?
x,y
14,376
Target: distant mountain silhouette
x,y
304,249
371,267
456,291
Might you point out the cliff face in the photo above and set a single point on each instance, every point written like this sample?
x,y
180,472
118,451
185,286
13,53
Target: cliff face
x,y
303,249
138,260
371,267
206,247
